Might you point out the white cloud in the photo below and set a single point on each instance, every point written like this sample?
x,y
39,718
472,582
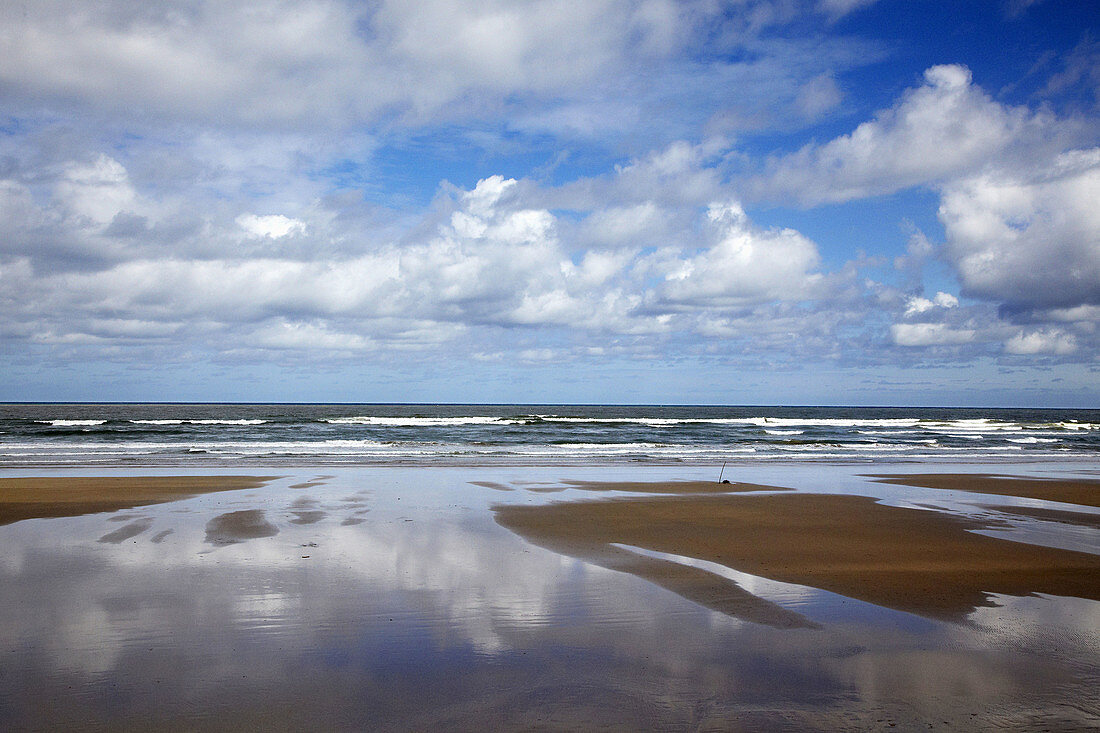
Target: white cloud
x,y
1016,201
492,261
274,226
624,225
189,59
818,96
930,334
945,300
287,335
1077,314
839,8
575,68
538,355
940,130
98,190
745,265
1030,240
1044,341
916,304
333,62
678,174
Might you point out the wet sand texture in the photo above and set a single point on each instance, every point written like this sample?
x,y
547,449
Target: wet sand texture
x,y
495,486
308,516
662,487
1078,519
305,511
234,527
922,562
639,487
30,498
128,531
1070,491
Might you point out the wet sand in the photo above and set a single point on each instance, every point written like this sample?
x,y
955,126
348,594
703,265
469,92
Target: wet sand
x,y
664,487
1085,492
639,487
923,562
1078,519
233,527
39,497
294,609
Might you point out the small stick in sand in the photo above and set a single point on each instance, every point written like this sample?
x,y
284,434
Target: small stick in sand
x,y
722,473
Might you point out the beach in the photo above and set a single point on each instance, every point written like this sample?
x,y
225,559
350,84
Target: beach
x,y
799,596
549,365
39,497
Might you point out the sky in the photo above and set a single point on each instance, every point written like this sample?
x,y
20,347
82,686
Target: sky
x,y
865,202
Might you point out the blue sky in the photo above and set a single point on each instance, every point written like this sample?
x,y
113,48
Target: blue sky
x,y
740,202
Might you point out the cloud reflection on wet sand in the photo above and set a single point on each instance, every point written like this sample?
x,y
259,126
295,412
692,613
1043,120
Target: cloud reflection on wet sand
x,y
450,621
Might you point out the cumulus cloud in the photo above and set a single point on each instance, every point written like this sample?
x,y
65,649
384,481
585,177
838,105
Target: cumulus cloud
x,y
745,265
493,260
680,173
338,63
1017,199
262,178
1028,240
286,335
1076,314
642,265
616,226
940,130
274,226
98,191
917,304
930,334
1044,341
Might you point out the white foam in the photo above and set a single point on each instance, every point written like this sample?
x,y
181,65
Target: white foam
x,y
423,421
71,423
198,422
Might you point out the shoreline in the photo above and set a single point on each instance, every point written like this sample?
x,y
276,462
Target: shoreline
x,y
391,598
1084,492
927,562
1080,462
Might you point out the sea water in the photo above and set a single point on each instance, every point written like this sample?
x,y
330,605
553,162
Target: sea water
x,y
377,434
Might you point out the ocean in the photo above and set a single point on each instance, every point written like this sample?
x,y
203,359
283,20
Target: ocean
x,y
418,434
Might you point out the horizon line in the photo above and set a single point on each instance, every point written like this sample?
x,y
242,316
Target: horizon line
x,y
543,404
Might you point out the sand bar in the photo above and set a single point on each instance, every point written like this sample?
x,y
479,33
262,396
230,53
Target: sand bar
x,y
922,562
1085,492
37,497
1078,519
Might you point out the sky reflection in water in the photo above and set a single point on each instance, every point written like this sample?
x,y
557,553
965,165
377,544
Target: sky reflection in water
x,y
390,598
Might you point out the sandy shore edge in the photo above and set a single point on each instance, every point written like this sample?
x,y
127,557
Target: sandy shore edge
x,y
928,563
1085,492
41,497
